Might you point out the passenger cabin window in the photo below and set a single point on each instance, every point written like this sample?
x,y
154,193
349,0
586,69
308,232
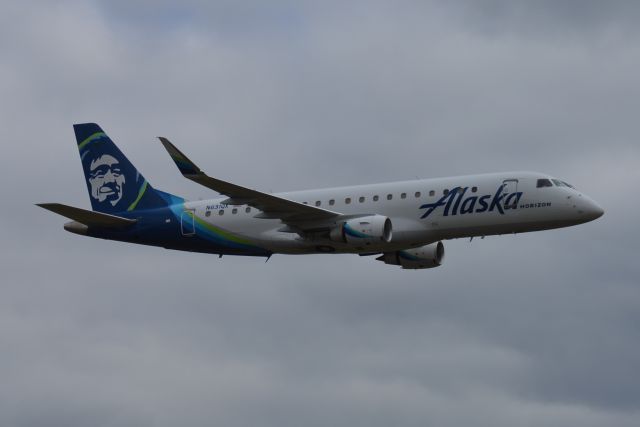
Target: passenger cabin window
x,y
375,198
234,211
332,202
445,191
389,196
347,200
208,213
474,189
221,212
403,195
432,193
247,210
361,199
544,183
417,194
317,202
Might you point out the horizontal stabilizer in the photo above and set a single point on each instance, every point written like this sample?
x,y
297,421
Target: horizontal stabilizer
x,y
88,218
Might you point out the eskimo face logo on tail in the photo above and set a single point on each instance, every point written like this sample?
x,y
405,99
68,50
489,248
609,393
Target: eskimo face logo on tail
x,y
106,179
455,205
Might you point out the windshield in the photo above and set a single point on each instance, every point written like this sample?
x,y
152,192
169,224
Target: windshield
x,y
559,183
543,182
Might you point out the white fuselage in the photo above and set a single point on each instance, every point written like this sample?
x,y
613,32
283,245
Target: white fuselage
x,y
421,211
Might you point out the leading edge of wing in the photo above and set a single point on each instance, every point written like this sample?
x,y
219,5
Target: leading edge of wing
x,y
271,206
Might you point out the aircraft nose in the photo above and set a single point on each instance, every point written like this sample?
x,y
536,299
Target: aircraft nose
x,y
594,210
590,209
585,209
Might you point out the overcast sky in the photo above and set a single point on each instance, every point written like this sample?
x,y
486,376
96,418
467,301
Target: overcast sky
x,y
538,329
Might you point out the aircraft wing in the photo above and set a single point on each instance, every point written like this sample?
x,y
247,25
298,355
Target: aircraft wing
x,y
271,206
88,218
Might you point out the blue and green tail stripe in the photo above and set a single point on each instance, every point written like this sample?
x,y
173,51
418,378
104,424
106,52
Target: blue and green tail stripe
x,y
93,137
214,234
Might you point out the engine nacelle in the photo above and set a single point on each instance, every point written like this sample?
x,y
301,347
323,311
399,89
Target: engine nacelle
x,y
367,229
427,256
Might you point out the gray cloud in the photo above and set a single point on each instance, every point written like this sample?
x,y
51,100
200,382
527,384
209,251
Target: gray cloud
x,y
536,327
541,19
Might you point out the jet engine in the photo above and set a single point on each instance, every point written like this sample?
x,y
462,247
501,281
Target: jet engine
x,y
427,256
367,229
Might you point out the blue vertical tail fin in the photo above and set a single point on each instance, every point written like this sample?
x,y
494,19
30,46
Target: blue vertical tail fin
x,y
114,184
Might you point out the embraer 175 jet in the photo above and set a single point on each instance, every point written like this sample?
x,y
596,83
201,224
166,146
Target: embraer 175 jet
x,y
403,223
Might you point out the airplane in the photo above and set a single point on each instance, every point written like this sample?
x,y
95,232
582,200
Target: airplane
x,y
402,223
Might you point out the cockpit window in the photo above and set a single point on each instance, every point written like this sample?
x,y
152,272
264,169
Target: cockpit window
x,y
562,183
544,183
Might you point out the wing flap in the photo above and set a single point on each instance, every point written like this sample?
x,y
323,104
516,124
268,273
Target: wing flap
x,y
88,218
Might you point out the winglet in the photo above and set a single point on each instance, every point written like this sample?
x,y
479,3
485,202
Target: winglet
x,y
186,166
